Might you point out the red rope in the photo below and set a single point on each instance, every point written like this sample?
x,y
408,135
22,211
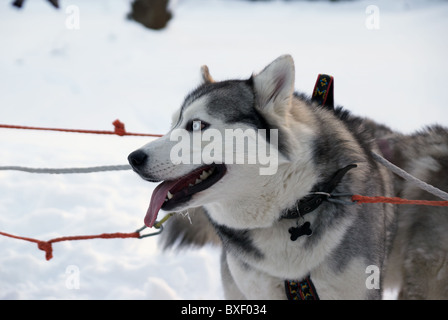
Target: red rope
x,y
118,130
394,200
47,245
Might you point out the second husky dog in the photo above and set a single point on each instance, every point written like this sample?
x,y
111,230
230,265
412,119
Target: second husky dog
x,y
418,264
282,226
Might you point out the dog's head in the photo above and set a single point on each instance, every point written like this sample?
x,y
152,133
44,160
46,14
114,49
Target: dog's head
x,y
224,140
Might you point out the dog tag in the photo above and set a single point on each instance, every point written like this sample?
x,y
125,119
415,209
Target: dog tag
x,y
299,231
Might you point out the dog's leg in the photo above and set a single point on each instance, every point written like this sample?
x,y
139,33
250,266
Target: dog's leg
x,y
425,265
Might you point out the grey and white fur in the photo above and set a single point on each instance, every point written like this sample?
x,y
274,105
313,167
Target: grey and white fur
x,y
419,260
243,211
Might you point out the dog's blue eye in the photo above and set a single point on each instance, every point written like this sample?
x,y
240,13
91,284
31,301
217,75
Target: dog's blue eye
x,y
197,125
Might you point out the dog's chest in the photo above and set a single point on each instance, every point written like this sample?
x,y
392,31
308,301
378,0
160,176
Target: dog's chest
x,y
271,251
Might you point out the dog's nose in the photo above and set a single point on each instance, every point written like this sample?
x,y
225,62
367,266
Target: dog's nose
x,y
137,158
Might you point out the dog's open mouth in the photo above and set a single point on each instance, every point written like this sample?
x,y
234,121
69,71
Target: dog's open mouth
x,y
170,194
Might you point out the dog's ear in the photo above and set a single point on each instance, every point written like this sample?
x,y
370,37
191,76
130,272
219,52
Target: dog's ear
x,y
274,86
206,77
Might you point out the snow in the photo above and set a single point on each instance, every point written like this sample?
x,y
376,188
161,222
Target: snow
x,y
109,68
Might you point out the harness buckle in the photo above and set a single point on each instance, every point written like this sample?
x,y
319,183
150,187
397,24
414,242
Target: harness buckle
x,y
159,231
157,225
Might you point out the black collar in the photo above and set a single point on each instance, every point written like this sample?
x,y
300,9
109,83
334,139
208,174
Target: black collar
x,y
312,201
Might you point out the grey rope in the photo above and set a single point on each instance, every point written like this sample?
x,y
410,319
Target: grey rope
x,y
400,172
67,170
419,183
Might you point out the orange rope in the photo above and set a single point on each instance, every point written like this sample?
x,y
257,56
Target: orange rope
x,y
119,130
394,200
47,245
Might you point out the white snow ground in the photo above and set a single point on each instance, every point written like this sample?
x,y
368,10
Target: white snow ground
x,y
109,68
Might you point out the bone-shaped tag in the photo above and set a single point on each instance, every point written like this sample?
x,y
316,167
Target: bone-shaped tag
x,y
299,231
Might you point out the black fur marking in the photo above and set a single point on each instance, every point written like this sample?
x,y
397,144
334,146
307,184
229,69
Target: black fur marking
x,y
206,88
327,147
361,132
237,241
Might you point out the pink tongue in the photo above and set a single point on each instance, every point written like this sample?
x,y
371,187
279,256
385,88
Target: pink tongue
x,y
157,200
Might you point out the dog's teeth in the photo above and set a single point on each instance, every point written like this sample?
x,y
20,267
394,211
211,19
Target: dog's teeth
x,y
198,181
169,195
204,175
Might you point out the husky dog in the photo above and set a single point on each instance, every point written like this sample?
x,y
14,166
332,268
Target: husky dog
x,y
418,264
292,223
